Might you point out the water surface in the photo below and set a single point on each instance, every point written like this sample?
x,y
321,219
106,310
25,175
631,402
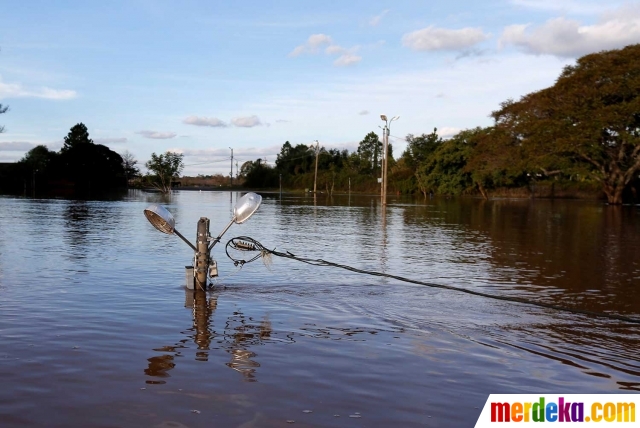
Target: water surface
x,y
98,330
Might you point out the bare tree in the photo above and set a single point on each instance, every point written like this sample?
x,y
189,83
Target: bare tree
x,y
129,164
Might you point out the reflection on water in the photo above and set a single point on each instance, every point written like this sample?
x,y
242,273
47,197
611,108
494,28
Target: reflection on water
x,y
239,335
94,329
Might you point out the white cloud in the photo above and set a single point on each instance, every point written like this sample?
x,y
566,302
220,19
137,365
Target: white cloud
x,y
110,140
314,42
299,50
16,146
334,50
567,38
442,39
219,158
317,40
205,121
376,19
16,90
447,131
55,146
582,7
246,122
364,112
347,59
157,135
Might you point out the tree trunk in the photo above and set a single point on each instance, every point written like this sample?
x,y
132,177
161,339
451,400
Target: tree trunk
x,y
613,188
483,192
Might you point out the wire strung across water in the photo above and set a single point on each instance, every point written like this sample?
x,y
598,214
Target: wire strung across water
x,y
248,244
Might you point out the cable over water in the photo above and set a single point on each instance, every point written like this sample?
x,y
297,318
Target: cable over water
x,y
248,244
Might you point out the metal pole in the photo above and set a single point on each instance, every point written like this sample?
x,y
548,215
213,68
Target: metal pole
x,y
384,173
231,172
315,178
384,132
202,255
215,241
185,240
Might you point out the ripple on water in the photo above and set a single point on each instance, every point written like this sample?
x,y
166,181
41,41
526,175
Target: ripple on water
x,y
101,331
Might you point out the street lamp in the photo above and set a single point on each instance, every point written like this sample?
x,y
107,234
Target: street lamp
x,y
161,219
385,138
315,177
231,173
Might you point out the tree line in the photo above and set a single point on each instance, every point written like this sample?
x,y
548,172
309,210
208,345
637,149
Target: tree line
x,y
81,167
582,133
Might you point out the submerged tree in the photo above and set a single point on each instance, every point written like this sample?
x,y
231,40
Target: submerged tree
x,y
165,167
591,116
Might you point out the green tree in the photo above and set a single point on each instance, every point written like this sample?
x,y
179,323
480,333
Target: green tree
x,y
370,150
496,160
295,160
38,158
259,175
77,136
90,167
165,167
3,109
589,120
420,148
445,171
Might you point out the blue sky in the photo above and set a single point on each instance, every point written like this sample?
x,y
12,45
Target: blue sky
x,y
200,77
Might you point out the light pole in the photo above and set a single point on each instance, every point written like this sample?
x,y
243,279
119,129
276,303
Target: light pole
x,y
231,173
315,178
385,142
205,266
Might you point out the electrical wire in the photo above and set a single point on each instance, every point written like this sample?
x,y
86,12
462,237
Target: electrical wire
x,y
248,244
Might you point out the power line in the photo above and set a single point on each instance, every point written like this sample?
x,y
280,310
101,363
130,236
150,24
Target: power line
x,y
247,244
207,162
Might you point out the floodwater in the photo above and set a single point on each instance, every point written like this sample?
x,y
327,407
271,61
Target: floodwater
x,y
97,329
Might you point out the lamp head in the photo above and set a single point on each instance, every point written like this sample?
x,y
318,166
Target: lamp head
x,y
246,206
160,218
383,117
394,118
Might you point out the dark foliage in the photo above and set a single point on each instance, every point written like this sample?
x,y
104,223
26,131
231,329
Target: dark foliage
x,y
81,168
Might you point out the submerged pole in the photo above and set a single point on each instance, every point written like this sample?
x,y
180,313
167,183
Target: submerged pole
x,y
202,253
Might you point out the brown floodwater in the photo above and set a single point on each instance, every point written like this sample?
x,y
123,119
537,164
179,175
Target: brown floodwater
x,y
98,330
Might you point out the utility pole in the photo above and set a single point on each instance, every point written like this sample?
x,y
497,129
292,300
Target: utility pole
x,y
385,141
315,178
231,172
236,169
382,165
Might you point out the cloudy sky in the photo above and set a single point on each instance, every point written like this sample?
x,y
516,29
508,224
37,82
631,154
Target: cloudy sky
x,y
201,77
